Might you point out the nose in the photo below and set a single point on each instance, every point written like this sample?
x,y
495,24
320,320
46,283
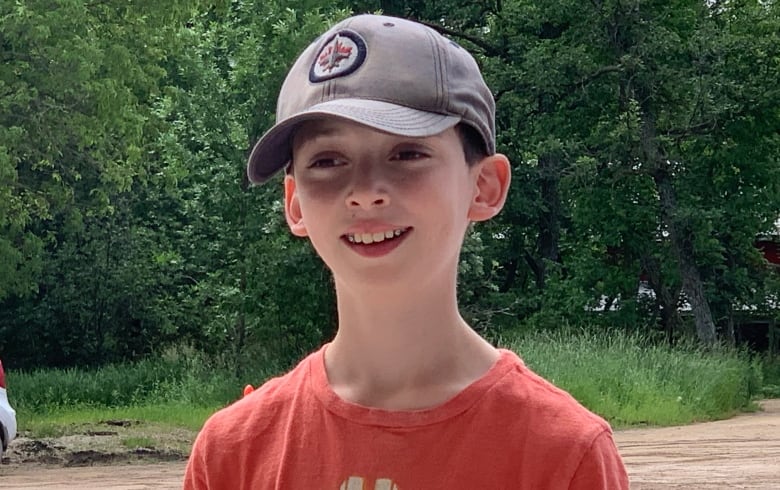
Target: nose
x,y
369,189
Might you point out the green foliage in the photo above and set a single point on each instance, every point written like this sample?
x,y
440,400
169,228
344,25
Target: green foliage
x,y
644,138
181,376
262,293
626,378
75,81
770,368
138,442
630,380
159,419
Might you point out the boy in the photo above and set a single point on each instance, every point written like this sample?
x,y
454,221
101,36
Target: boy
x,y
387,132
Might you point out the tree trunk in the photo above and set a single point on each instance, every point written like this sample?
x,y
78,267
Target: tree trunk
x,y
510,273
729,332
549,215
665,298
634,86
679,233
694,291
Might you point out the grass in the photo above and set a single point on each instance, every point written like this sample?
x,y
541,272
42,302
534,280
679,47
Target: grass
x,y
177,390
168,428
771,373
625,378
57,422
183,376
136,442
631,381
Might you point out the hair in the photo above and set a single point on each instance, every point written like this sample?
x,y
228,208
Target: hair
x,y
474,149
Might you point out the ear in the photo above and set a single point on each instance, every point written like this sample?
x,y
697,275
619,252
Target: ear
x,y
292,208
490,188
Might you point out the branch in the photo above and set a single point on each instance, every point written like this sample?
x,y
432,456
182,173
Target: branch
x,y
691,130
601,71
486,47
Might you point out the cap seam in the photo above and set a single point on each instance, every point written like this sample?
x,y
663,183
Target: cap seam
x,y
439,70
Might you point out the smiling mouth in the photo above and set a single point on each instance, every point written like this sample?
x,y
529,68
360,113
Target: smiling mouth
x,y
369,238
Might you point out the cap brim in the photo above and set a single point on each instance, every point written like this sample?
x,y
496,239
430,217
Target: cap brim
x,y
274,149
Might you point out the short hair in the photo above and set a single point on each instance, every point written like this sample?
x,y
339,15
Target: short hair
x,y
474,150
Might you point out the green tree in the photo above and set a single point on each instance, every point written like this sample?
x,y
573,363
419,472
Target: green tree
x,y
260,292
644,139
78,81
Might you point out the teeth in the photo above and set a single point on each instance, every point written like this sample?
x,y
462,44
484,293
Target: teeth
x,y
369,238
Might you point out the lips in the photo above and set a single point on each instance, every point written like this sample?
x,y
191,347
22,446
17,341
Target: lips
x,y
376,243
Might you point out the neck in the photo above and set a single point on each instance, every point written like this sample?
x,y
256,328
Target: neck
x,y
403,350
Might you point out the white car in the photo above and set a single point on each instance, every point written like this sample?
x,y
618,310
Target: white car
x,y
7,415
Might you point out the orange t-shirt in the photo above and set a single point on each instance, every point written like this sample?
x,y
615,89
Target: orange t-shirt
x,y
510,429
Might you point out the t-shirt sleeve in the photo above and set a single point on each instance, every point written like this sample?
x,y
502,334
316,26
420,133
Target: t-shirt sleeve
x,y
195,474
601,467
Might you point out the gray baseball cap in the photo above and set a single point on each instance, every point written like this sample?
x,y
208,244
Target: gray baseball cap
x,y
387,73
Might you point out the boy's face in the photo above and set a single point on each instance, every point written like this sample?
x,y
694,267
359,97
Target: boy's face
x,y
378,206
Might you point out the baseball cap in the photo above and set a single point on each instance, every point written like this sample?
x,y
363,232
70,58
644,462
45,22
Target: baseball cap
x,y
391,74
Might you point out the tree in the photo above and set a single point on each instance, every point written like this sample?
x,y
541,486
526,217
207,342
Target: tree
x,y
78,81
620,117
261,292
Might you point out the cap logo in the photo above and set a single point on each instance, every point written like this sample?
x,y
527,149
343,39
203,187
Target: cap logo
x,y
341,55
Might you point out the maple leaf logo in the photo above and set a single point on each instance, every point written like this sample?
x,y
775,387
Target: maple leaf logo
x,y
332,56
339,56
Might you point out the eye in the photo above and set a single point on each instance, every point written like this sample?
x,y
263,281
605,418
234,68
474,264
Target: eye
x,y
409,155
326,162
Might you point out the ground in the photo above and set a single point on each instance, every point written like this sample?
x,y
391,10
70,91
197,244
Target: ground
x,y
742,452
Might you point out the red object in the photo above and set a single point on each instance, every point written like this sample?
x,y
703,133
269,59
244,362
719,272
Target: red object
x,y
248,389
770,250
2,375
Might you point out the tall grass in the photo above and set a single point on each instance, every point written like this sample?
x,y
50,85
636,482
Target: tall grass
x,y
180,376
623,377
630,380
770,366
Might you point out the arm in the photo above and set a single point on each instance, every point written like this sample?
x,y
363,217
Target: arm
x,y
601,467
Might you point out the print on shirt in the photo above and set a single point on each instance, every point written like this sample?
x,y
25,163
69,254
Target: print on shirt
x,y
358,483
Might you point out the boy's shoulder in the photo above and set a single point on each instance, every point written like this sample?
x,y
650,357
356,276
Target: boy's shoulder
x,y
524,398
261,409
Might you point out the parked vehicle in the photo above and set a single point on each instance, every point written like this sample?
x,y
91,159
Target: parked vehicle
x,y
7,415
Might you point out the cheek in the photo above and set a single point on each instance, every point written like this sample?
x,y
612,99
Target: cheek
x,y
318,192
449,195
320,226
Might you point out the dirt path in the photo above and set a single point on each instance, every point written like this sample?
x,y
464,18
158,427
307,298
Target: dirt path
x,y
743,452
116,477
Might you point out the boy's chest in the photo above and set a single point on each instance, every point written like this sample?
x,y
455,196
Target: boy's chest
x,y
339,456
